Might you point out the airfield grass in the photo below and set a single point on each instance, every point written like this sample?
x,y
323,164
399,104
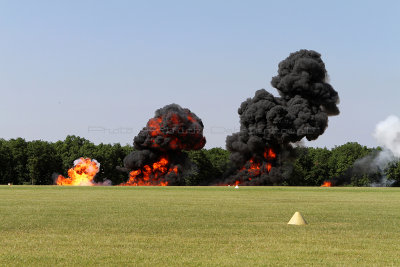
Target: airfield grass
x,y
198,226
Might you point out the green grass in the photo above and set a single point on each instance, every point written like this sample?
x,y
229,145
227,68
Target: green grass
x,y
198,226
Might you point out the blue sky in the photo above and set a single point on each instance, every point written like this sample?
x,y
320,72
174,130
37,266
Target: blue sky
x,y
99,69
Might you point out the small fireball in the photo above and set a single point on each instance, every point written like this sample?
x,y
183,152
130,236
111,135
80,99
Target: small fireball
x,y
326,184
82,174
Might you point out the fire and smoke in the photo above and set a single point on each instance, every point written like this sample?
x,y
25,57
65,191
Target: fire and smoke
x,y
261,151
387,135
158,158
82,174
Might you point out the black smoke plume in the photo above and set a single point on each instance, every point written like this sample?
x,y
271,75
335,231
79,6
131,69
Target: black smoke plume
x,y
269,123
158,157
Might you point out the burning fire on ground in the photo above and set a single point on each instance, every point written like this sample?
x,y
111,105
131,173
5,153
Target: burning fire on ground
x,y
301,110
326,184
151,175
257,167
158,158
83,173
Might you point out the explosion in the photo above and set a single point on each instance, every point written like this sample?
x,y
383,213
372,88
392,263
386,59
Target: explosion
x,y
158,158
261,151
83,173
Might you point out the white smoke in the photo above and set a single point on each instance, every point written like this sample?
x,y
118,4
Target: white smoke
x,y
387,135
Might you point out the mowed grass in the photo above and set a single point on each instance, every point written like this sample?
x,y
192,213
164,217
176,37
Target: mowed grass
x,y
198,226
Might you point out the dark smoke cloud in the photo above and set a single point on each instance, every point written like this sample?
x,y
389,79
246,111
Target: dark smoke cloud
x,y
303,73
172,130
306,100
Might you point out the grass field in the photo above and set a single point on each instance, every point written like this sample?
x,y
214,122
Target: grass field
x,y
198,226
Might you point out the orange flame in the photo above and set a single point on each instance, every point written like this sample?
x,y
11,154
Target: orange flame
x,y
151,175
83,173
269,153
255,167
154,126
326,184
157,128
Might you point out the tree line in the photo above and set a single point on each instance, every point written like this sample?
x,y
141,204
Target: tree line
x,y
36,162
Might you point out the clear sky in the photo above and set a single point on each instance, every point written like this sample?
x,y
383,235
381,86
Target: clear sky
x,y
99,69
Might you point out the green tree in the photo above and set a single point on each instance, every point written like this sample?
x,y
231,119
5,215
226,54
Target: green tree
x,y
42,162
111,156
207,166
344,156
219,158
310,167
392,172
72,148
202,169
6,158
18,148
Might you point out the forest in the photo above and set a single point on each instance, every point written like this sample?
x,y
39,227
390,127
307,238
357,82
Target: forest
x,y
36,162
